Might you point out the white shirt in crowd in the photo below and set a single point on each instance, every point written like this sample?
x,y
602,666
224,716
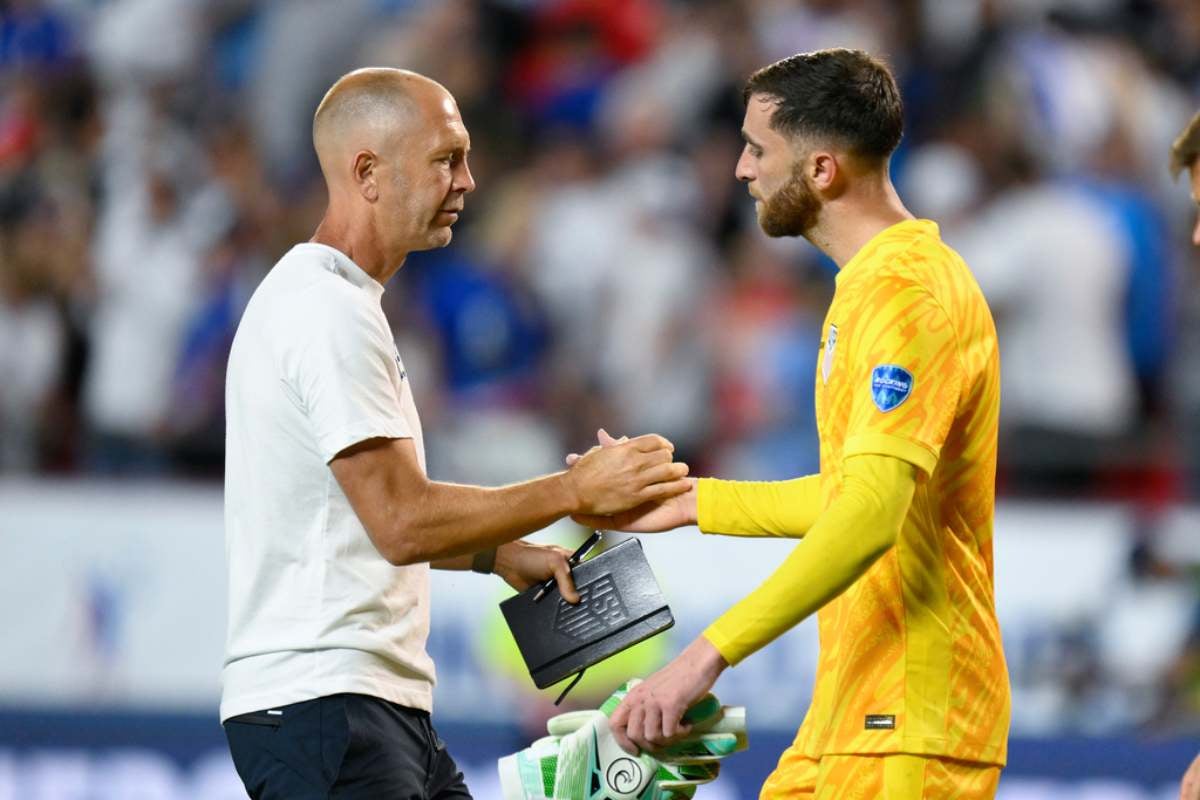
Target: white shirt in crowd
x,y
1055,270
314,609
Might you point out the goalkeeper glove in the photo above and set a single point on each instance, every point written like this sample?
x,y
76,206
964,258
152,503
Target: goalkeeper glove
x,y
581,760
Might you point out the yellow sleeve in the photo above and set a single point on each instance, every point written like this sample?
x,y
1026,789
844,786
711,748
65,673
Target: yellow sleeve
x,y
906,361
758,508
857,528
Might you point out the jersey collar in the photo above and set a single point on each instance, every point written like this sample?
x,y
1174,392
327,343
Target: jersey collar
x,y
908,227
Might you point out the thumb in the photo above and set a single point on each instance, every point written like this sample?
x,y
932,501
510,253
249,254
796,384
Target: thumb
x,y
572,458
607,440
566,583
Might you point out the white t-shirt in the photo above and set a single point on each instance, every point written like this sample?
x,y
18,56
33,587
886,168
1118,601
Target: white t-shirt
x,y
314,609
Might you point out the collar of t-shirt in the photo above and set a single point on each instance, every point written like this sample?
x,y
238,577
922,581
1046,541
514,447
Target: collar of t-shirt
x,y
341,265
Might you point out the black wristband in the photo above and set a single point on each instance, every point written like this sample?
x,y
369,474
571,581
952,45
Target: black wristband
x,y
484,561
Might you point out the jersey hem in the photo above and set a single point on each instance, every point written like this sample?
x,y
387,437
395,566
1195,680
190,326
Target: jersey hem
x,y
926,747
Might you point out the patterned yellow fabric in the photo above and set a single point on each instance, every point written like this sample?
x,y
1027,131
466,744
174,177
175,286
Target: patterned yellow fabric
x,y
910,659
894,777
858,527
916,637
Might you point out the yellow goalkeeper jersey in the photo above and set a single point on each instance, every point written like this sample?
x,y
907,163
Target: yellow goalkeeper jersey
x,y
910,654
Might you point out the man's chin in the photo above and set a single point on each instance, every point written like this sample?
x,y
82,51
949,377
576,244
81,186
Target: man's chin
x,y
438,237
775,229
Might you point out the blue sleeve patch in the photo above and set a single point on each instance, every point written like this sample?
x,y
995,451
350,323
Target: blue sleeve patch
x,y
890,386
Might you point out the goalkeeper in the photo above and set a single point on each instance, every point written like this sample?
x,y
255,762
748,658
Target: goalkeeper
x,y
911,698
580,760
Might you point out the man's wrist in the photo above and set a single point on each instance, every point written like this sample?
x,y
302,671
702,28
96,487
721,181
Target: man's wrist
x,y
707,658
567,496
691,502
504,557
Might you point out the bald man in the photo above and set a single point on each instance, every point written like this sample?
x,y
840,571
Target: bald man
x,y
331,523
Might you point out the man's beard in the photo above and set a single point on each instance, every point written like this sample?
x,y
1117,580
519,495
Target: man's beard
x,y
792,210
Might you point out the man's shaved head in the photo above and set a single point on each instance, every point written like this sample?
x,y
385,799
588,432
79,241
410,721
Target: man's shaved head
x,y
365,108
393,149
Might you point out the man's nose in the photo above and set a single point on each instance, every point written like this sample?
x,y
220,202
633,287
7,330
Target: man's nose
x,y
743,171
466,181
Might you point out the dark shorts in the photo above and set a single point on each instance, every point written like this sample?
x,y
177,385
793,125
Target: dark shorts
x,y
345,746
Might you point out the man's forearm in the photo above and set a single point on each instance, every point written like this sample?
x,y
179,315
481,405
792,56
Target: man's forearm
x,y
454,563
856,529
450,522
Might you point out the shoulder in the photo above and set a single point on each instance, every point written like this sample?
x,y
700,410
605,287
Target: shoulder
x,y
306,291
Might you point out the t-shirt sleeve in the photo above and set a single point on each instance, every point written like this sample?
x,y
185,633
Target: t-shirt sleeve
x,y
342,378
907,377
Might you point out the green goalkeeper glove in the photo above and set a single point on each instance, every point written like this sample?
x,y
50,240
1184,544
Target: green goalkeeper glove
x,y
581,760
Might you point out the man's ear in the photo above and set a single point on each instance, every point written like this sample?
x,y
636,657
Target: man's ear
x,y
824,170
365,163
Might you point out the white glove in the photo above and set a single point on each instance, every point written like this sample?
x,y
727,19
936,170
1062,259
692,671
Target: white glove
x,y
581,760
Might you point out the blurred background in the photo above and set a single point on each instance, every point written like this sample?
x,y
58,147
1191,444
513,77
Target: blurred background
x,y
155,161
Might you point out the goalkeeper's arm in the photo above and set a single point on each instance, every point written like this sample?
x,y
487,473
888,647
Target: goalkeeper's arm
x,y
858,527
758,508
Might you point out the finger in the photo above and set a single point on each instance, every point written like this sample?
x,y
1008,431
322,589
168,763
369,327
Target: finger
x,y
661,491
658,473
674,727
606,439
656,457
633,727
618,723
651,441
623,740
572,458
566,585
652,724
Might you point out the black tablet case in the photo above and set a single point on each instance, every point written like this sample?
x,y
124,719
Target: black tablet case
x,y
620,605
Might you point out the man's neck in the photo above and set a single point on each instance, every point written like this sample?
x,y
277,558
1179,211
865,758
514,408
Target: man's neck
x,y
360,244
850,221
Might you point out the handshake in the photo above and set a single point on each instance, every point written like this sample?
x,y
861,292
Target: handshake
x,y
580,759
631,485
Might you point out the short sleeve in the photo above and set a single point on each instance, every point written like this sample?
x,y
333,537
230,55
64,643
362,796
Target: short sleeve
x,y
343,377
907,378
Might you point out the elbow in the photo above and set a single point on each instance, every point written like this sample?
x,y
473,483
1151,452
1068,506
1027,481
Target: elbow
x,y
879,546
398,545
401,556
890,521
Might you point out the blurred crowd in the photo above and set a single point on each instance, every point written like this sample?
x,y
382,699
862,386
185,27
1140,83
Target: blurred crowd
x,y
155,160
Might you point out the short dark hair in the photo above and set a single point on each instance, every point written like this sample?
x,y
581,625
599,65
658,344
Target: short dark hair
x,y
841,94
1186,149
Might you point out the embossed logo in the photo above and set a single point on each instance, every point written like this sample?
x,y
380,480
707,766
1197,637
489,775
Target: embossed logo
x,y
600,608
